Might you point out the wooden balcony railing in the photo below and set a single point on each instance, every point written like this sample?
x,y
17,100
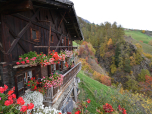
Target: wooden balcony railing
x,y
53,94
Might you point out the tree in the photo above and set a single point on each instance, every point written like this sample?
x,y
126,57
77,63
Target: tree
x,y
127,67
142,74
109,42
150,42
143,31
132,84
147,85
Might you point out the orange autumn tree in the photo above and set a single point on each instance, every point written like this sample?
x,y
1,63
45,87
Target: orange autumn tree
x,y
147,85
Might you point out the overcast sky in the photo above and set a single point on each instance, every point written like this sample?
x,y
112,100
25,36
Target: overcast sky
x,y
136,14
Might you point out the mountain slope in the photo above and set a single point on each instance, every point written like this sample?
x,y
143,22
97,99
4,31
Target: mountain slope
x,y
138,35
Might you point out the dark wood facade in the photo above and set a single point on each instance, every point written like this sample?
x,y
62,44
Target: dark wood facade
x,y
28,23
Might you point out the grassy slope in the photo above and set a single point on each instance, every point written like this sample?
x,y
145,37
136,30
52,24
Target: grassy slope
x,y
107,94
74,43
92,85
137,35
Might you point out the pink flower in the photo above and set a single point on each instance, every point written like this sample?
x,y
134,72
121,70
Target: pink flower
x,y
27,61
23,62
34,58
26,58
17,63
20,58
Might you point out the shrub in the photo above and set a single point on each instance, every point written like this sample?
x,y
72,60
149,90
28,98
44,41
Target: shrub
x,y
127,67
113,66
85,66
147,86
105,80
97,75
138,58
133,60
142,74
149,56
132,84
143,31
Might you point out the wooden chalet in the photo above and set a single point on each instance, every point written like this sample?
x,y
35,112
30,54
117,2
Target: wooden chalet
x,y
35,25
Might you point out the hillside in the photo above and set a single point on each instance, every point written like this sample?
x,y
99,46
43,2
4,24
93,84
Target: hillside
x,y
138,35
124,59
146,48
100,94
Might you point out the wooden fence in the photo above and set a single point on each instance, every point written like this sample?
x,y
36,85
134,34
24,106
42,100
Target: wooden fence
x,y
53,94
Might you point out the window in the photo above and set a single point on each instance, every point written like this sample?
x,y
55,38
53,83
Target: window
x,y
35,35
62,41
27,76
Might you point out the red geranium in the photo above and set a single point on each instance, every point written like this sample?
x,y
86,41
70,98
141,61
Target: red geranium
x,y
2,90
23,108
20,101
30,106
8,102
69,113
27,61
108,108
78,112
88,101
10,92
23,62
17,63
35,88
5,87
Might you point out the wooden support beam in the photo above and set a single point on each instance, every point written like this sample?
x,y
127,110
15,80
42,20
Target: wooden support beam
x,y
52,46
58,43
51,16
49,40
18,37
61,20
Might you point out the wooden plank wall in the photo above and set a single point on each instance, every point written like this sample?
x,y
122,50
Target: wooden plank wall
x,y
26,44
1,54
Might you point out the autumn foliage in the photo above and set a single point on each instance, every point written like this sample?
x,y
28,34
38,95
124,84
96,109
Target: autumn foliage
x,y
147,85
105,80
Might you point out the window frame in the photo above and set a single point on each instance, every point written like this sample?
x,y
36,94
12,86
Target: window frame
x,y
37,35
52,39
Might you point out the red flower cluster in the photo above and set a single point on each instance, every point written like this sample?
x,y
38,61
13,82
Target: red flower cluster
x,y
2,89
78,112
108,108
12,99
122,110
25,108
66,64
88,101
20,101
56,57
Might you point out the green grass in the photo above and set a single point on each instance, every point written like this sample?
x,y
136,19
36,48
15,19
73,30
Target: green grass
x,y
75,44
138,35
104,95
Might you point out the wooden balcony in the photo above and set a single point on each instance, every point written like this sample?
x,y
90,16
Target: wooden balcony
x,y
53,94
